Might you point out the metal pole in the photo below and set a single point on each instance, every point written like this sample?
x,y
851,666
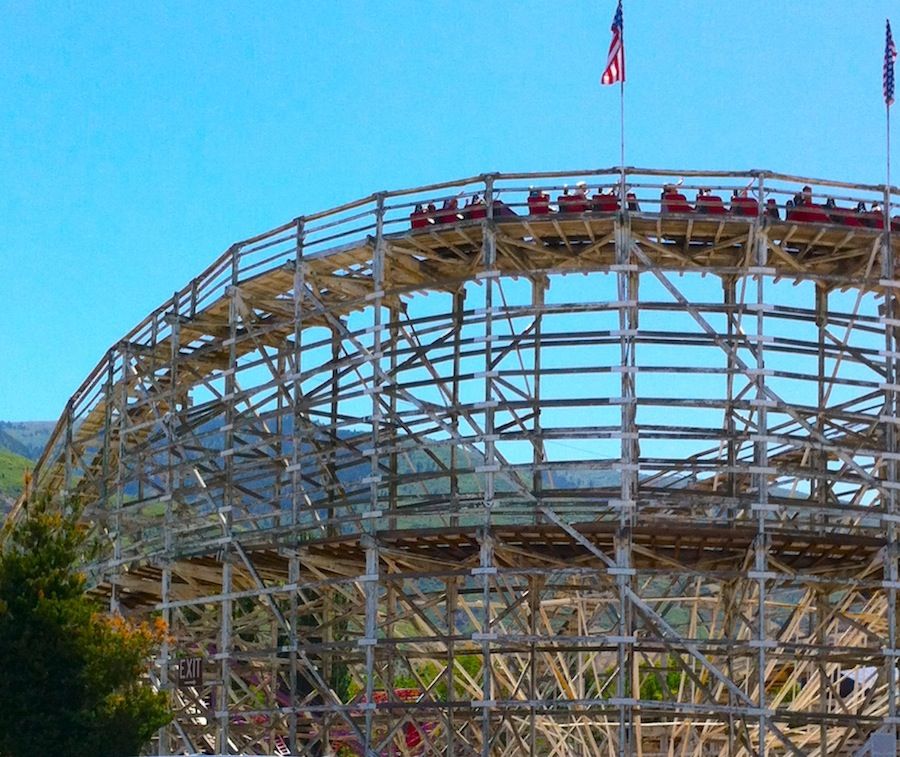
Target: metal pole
x,y
623,191
622,120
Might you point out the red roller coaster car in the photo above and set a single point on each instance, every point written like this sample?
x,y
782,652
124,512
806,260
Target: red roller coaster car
x,y
343,740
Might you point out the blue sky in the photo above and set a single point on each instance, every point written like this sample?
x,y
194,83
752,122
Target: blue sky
x,y
138,142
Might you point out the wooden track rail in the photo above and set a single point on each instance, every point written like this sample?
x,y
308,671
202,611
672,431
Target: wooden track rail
x,y
511,481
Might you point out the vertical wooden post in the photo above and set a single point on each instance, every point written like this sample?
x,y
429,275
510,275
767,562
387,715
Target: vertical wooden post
x,y
377,384
761,482
297,486
223,713
108,404
486,566
729,287
226,507
819,480
169,423
122,424
627,294
333,482
299,403
450,676
459,299
538,452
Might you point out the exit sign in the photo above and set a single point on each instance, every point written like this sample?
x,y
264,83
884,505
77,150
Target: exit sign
x,y
190,671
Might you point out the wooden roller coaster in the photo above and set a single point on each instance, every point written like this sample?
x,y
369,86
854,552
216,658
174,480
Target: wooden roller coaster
x,y
519,475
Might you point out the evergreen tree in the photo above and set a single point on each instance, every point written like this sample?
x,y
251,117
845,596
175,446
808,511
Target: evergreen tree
x,y
70,676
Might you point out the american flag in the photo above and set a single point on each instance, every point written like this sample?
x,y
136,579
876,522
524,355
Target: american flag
x,y
281,747
890,55
615,62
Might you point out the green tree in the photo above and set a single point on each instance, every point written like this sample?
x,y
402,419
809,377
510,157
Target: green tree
x,y
70,676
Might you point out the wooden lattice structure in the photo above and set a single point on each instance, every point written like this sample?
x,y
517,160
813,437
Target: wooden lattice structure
x,y
597,482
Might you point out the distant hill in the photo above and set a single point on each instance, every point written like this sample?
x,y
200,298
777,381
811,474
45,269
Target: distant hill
x,y
21,443
25,438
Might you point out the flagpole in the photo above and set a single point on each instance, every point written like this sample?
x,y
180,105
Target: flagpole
x,y
622,191
622,124
890,55
615,72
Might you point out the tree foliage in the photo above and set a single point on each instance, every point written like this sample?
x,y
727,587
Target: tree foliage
x,y
70,676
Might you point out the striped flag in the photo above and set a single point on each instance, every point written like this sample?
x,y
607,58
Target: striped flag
x,y
281,747
615,62
890,55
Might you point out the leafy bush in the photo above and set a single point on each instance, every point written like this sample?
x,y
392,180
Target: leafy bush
x,y
70,676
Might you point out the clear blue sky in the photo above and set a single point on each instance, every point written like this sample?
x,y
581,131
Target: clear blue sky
x,y
138,141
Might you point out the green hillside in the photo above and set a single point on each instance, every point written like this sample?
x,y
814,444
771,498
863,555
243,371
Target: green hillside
x,y
21,443
12,470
